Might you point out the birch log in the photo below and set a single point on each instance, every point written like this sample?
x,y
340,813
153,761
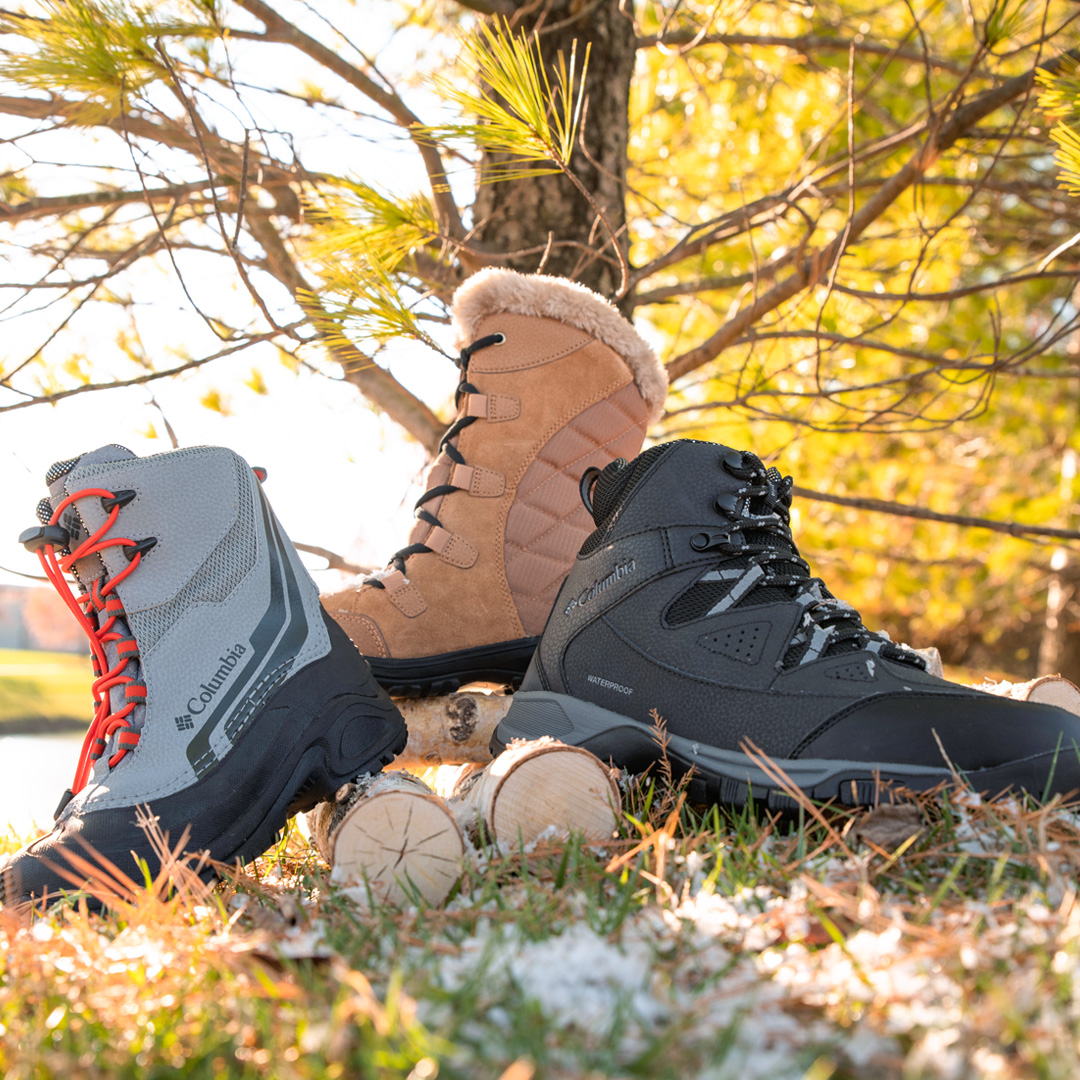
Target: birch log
x,y
534,786
1046,689
389,838
453,729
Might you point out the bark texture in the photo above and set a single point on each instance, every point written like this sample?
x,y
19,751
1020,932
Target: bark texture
x,y
454,729
530,214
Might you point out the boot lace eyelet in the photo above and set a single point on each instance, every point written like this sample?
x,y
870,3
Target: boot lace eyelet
x,y
140,547
447,446
588,478
728,541
732,462
726,504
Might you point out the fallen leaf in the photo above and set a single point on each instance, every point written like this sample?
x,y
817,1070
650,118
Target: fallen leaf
x,y
889,825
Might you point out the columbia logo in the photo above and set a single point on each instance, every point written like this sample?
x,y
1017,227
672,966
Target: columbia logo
x,y
184,723
597,587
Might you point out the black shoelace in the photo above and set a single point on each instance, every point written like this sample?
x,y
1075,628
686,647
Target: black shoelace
x,y
766,561
447,446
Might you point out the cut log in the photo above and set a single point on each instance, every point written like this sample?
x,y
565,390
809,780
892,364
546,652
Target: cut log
x,y
390,839
454,729
1046,689
535,786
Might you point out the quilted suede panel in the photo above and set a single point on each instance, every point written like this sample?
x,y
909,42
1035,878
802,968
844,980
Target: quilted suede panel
x,y
547,523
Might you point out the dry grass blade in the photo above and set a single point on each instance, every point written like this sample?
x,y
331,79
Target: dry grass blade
x,y
178,882
759,758
659,839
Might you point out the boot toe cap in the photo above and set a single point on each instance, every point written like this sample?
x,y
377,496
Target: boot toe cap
x,y
39,870
976,733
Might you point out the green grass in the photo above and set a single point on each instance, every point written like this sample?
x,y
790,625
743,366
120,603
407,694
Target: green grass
x,y
38,687
699,944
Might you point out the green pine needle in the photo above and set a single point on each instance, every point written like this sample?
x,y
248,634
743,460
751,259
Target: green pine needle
x,y
1060,100
526,114
101,51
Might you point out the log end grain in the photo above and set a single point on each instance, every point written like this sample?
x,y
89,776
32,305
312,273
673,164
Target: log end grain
x,y
400,846
1054,690
535,786
1046,690
390,840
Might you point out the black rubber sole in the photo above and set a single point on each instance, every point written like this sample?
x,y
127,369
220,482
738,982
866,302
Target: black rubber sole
x,y
430,676
733,778
328,724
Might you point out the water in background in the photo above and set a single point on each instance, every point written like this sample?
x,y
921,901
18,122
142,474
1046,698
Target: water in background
x,y
34,771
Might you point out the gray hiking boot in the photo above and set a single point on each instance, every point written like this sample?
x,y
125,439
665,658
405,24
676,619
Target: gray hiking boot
x,y
226,700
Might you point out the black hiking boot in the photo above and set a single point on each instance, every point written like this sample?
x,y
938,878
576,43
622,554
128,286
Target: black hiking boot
x,y
690,600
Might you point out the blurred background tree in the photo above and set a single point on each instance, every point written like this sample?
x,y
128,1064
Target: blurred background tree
x,y
850,228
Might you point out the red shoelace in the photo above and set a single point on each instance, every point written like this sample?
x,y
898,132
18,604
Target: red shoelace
x,y
97,612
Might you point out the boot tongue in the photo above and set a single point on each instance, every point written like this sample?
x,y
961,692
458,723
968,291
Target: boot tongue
x,y
618,479
89,569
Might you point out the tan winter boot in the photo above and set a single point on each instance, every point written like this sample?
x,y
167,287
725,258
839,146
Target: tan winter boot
x,y
554,381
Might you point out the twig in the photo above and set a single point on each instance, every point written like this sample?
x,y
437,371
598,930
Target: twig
x,y
333,560
881,506
139,380
805,43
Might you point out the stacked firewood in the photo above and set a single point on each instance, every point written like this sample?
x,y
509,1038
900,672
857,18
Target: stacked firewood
x,y
394,838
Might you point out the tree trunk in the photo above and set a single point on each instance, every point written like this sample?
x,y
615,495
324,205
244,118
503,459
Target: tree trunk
x,y
544,215
1060,589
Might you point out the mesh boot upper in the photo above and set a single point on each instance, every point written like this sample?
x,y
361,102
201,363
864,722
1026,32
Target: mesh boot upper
x,y
757,563
215,616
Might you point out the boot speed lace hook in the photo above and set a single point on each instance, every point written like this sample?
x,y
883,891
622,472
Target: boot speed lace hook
x,y
446,446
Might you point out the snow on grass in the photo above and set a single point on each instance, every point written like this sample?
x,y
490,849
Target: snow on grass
x,y
713,946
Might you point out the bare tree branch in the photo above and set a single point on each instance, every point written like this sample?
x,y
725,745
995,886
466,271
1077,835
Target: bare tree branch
x,y
50,205
881,506
810,271
965,290
333,560
373,381
806,43
138,380
506,8
229,159
284,31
